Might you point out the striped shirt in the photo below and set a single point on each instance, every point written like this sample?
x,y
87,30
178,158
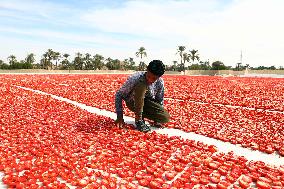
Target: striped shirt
x,y
155,91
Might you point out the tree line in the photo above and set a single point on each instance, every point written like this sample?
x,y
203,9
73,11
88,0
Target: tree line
x,y
53,60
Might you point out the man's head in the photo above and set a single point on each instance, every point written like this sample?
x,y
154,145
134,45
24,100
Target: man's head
x,y
155,69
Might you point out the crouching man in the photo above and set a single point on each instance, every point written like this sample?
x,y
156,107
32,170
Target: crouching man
x,y
143,93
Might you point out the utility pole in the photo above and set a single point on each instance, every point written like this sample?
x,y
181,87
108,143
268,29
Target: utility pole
x,y
241,58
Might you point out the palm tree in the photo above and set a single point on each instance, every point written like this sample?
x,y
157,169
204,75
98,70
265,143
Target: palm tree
x,y
49,55
66,56
56,56
180,52
78,61
141,52
194,55
65,63
186,58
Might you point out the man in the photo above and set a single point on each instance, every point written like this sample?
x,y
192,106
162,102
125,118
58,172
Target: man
x,y
143,93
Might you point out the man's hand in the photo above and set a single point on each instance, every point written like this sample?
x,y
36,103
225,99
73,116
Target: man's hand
x,y
119,122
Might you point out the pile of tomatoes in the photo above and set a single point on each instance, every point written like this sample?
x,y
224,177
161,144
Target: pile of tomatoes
x,y
196,104
46,143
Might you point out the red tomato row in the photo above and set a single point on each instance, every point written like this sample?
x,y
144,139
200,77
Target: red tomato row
x,y
264,93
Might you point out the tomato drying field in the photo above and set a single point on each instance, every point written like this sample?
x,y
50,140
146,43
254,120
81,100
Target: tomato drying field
x,y
48,143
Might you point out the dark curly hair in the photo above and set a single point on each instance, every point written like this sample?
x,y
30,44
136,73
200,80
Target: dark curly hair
x,y
156,67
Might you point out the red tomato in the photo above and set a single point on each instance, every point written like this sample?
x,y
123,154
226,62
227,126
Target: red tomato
x,y
263,185
83,182
223,185
215,179
170,175
204,180
213,165
194,179
264,179
178,168
246,179
243,183
155,184
144,182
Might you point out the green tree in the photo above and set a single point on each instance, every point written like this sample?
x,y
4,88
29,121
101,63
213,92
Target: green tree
x,y
205,65
117,64
132,63
12,60
239,66
142,66
194,55
30,59
186,58
180,51
44,61
78,61
128,64
113,64
272,68
3,65
24,65
88,62
65,64
98,61
194,67
47,57
218,65
174,66
109,64
56,57
141,52
125,64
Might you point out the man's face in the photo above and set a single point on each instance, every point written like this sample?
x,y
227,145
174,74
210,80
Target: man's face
x,y
150,77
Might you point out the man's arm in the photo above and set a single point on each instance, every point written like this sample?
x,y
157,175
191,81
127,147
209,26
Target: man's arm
x,y
123,92
118,105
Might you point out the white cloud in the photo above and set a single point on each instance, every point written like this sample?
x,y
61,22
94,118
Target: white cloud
x,y
219,31
253,26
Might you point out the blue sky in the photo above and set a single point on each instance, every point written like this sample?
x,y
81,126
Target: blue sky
x,y
219,29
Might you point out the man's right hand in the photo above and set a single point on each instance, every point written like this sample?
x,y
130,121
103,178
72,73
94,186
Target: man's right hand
x,y
119,122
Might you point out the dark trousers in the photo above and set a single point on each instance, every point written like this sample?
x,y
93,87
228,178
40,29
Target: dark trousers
x,y
146,107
